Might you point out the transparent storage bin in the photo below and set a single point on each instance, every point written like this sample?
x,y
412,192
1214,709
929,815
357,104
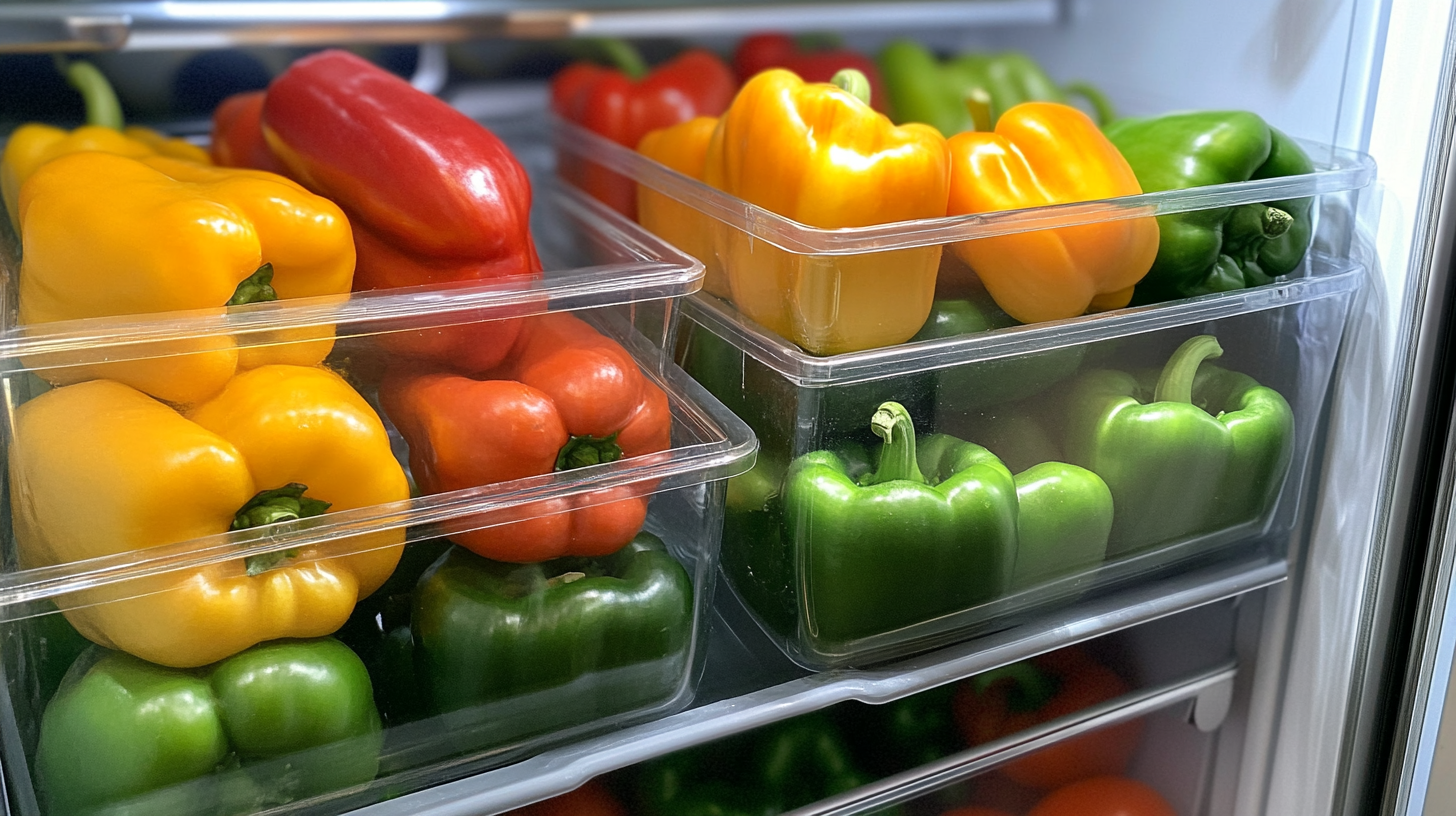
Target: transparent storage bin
x,y
163,576
832,594
835,291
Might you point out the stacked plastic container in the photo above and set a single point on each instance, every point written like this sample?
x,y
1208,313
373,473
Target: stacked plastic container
x,y
810,373
247,512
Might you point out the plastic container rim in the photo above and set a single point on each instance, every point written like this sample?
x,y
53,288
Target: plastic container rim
x,y
1336,170
660,271
1328,277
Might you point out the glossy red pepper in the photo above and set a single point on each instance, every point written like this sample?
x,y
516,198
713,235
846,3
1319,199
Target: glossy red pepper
x,y
433,197
760,52
1016,697
565,397
626,103
237,134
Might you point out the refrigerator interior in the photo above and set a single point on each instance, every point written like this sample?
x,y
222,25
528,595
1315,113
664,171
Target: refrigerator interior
x,y
1304,732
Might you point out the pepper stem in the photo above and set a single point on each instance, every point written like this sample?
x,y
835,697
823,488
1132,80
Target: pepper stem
x,y
1175,384
1275,222
255,288
1101,104
892,423
978,105
1028,687
284,503
583,451
102,106
621,55
853,81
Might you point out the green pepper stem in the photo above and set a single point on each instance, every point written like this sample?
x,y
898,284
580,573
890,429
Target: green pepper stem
x,y
853,81
255,288
1029,688
1175,384
621,55
1275,222
102,106
284,503
1101,104
892,423
978,105
584,451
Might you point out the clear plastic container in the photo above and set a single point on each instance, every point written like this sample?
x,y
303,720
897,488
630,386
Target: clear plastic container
x,y
832,291
834,589
120,505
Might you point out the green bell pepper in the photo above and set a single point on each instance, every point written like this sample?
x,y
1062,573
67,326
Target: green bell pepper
x,y
121,727
771,770
902,734
923,89
487,631
1225,248
973,386
1195,454
885,549
1064,524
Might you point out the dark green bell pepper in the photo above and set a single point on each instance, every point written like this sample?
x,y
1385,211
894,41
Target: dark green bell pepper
x,y
771,770
902,734
487,631
924,89
121,727
1189,455
1225,248
971,387
931,530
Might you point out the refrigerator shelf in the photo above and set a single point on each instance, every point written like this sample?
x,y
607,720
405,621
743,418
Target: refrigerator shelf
x,y
793,692
151,26
1209,693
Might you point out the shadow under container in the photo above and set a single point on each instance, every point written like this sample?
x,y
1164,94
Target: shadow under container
x,y
832,590
162,573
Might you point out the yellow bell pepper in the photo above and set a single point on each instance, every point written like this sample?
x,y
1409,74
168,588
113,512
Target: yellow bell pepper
x,y
684,148
100,468
32,145
103,235
1045,153
820,155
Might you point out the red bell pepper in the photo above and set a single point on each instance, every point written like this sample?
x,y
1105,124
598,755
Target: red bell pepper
x,y
237,134
565,397
433,197
760,52
626,103
1013,698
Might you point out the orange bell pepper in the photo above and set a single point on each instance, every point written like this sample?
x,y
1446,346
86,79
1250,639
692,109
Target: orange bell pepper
x,y
684,148
820,155
1046,153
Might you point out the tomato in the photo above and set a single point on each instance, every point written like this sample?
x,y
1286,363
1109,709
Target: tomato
x,y
1104,796
1017,697
591,799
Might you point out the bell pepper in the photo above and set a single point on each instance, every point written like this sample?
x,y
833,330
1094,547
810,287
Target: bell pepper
x,y
1225,248
1013,698
121,727
487,631
903,734
924,89
237,134
908,542
775,769
104,234
1042,153
566,397
626,102
1104,796
433,197
973,386
591,799
818,154
812,59
32,145
277,443
1192,454
684,148
1065,520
